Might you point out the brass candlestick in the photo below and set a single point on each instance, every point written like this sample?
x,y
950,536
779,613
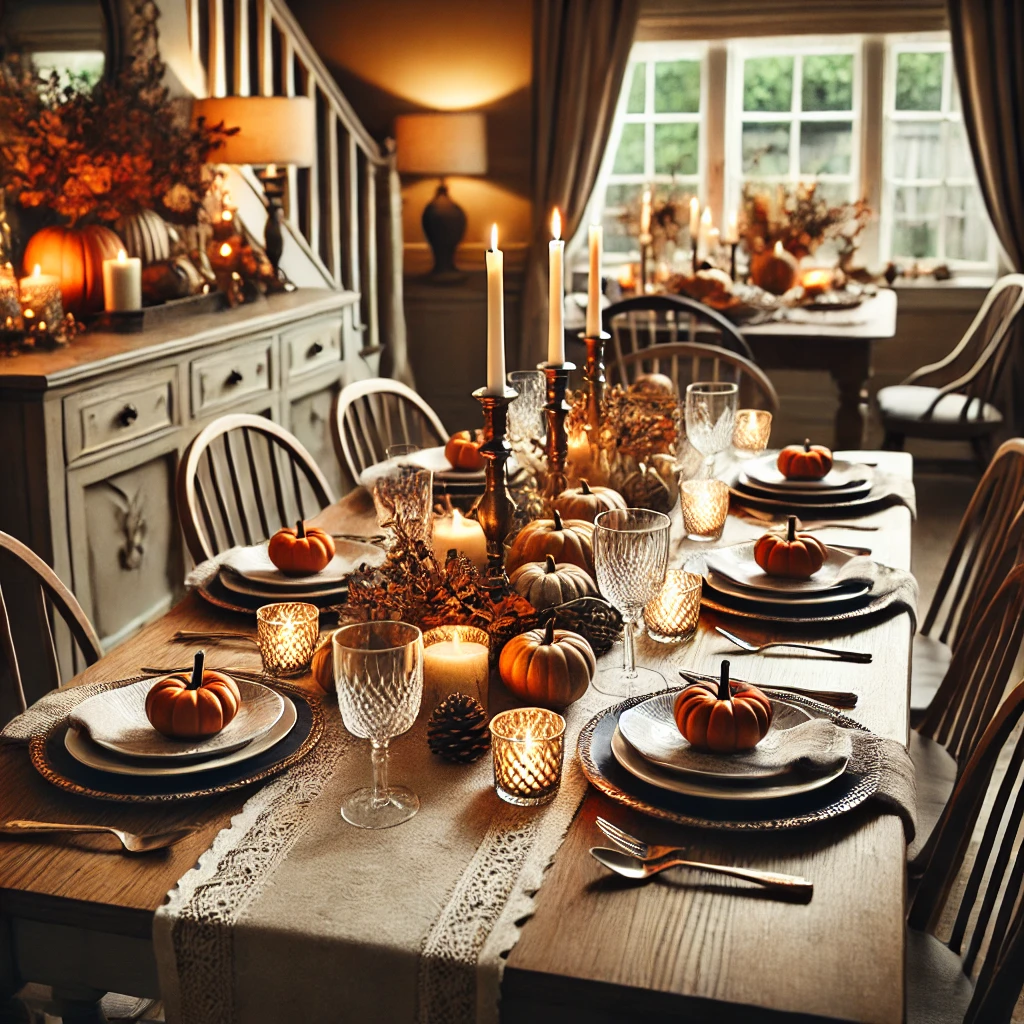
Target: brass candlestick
x,y
594,379
496,508
645,259
555,411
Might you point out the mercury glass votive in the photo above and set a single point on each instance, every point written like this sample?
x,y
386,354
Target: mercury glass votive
x,y
286,635
751,432
672,616
41,302
705,505
10,299
528,746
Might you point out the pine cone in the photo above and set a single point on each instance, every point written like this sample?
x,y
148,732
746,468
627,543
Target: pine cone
x,y
457,729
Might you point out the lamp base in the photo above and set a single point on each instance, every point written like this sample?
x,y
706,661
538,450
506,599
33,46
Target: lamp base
x,y
444,224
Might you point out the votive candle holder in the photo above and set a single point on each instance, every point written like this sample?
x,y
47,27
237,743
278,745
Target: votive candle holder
x,y
286,634
751,432
10,299
705,505
41,305
528,747
672,616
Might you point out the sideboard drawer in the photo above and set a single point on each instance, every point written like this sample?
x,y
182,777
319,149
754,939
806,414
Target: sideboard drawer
x,y
109,415
313,346
228,377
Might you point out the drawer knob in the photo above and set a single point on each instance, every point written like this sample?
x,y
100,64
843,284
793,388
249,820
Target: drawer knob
x,y
128,415
234,377
314,350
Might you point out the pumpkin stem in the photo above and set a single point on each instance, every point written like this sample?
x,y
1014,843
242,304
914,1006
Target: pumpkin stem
x,y
558,519
300,529
549,563
585,487
791,529
549,630
724,690
807,444
198,663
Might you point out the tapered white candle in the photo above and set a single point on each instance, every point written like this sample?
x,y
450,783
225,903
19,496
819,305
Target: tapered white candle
x,y
705,227
694,219
556,298
645,215
495,316
732,232
594,283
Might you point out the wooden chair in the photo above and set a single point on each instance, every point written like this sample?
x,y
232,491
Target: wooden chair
x,y
974,904
30,592
953,399
647,320
988,543
241,479
949,733
686,362
371,415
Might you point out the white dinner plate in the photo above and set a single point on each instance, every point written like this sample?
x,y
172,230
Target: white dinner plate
x,y
736,564
765,471
688,785
253,564
240,585
816,497
82,749
834,599
116,721
650,729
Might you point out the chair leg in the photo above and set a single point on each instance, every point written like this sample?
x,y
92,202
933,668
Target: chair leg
x,y
893,442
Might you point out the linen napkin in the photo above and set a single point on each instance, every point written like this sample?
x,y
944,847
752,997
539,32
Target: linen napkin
x,y
54,707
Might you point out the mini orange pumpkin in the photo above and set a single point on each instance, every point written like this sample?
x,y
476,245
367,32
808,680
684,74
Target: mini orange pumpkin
x,y
193,707
774,270
723,717
586,502
321,666
548,667
301,550
463,452
805,461
76,256
545,584
569,541
796,556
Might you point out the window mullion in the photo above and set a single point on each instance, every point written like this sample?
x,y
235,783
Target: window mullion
x,y
795,125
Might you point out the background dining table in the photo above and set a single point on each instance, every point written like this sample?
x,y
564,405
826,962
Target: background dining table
x,y
80,916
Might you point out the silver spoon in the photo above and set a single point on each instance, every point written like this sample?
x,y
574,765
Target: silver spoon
x,y
640,870
129,840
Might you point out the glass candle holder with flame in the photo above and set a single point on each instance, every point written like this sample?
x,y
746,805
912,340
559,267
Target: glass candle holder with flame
x,y
527,746
286,634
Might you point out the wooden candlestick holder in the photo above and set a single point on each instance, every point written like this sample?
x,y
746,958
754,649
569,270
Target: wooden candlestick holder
x,y
496,508
555,410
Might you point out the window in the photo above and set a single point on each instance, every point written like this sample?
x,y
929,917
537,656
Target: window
x,y
933,208
793,117
660,138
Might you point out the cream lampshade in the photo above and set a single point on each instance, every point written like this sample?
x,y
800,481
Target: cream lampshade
x,y
272,130
437,145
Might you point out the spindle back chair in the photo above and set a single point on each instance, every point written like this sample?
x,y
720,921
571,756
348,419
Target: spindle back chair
x,y
241,479
648,320
686,362
371,415
30,594
975,903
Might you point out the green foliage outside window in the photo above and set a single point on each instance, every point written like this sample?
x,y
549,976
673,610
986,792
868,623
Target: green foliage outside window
x,y
629,159
828,82
675,148
677,87
919,81
637,90
768,84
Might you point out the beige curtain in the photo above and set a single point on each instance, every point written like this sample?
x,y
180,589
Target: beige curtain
x,y
580,52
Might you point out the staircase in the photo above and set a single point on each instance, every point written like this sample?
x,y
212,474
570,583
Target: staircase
x,y
344,212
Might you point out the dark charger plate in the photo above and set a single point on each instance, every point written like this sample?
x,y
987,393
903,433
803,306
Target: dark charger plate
x,y
607,775
51,759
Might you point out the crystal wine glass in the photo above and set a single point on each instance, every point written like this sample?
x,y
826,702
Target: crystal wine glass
x,y
710,418
526,427
405,491
631,558
378,670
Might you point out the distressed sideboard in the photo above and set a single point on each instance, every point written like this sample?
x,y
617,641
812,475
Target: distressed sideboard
x,y
91,435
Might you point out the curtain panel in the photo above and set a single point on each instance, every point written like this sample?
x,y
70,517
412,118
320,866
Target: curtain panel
x,y
580,53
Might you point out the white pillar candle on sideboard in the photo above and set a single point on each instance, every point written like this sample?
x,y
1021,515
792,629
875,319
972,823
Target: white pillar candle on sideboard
x,y
495,316
122,283
556,296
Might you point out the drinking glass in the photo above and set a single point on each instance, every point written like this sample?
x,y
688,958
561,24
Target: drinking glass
x,y
710,418
378,670
526,429
404,491
631,558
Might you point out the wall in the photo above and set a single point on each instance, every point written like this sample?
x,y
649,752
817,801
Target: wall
x,y
395,57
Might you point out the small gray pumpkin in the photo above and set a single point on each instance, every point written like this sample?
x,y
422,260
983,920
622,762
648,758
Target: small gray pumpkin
x,y
146,236
545,584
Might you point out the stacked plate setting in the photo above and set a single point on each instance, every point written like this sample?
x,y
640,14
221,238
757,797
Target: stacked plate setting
x,y
648,745
109,732
456,483
760,481
734,580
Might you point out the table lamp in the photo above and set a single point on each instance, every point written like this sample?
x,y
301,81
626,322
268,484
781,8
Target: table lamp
x,y
272,130
437,145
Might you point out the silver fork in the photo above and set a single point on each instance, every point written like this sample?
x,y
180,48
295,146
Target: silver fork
x,y
658,858
844,700
811,524
860,657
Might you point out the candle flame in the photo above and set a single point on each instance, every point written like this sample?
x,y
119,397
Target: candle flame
x,y
37,271
694,204
226,215
122,256
271,170
225,249
494,238
456,517
705,217
778,248
556,224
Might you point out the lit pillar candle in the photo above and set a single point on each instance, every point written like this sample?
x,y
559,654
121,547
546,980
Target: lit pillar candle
x,y
556,299
694,219
455,660
122,283
41,300
465,535
596,239
495,316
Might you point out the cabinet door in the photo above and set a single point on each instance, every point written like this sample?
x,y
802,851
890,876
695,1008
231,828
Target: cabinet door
x,y
310,422
125,543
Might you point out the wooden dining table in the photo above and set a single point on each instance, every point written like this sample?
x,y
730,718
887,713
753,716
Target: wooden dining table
x,y
79,916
